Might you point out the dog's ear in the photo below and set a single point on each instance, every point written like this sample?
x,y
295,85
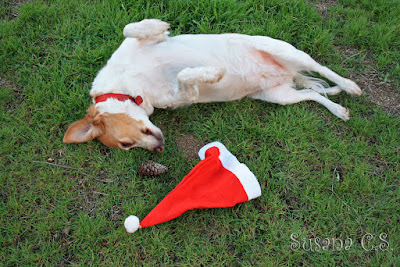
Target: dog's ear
x,y
86,129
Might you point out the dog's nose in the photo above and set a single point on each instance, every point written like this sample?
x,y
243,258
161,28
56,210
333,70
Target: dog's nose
x,y
159,149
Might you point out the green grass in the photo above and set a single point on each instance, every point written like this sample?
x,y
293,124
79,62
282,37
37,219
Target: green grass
x,y
320,177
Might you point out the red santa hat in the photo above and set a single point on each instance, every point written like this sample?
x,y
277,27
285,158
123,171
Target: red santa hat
x,y
219,180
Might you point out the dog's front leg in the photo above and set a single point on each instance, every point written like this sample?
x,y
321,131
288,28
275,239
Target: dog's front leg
x,y
189,80
147,31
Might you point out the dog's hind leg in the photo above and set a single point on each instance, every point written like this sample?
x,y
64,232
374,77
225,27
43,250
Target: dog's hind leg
x,y
309,64
284,94
287,58
334,90
346,85
147,31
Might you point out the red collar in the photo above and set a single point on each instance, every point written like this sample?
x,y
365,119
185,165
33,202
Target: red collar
x,y
101,98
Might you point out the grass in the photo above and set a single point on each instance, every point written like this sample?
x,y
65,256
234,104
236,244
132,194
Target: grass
x,y
320,177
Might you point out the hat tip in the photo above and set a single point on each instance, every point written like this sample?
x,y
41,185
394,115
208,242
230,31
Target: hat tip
x,y
132,224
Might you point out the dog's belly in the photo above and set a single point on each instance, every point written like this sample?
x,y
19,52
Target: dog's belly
x,y
230,87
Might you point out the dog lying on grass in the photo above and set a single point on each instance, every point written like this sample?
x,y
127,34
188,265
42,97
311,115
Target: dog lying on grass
x,y
152,70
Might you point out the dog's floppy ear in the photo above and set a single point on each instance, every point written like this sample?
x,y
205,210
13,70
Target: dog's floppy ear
x,y
86,129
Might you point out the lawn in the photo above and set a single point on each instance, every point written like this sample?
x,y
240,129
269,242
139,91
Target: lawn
x,y
324,181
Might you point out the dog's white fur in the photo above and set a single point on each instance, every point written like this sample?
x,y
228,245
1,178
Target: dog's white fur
x,y
174,71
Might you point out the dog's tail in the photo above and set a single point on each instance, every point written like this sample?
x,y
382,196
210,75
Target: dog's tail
x,y
147,30
308,82
316,84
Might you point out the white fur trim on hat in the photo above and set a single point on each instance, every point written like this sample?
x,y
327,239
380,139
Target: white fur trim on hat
x,y
242,172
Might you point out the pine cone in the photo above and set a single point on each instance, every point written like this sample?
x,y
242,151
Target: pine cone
x,y
151,168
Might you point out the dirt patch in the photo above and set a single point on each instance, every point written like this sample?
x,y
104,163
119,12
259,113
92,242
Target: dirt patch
x,y
5,83
89,202
189,146
11,9
323,6
90,193
379,92
17,92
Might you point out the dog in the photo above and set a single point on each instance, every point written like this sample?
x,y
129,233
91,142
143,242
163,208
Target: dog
x,y
152,70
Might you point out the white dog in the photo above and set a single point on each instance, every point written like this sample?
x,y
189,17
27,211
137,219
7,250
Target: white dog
x,y
151,70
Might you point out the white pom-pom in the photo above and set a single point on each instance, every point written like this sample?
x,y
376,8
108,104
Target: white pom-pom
x,y
132,224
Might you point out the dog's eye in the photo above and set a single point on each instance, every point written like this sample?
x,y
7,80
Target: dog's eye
x,y
126,145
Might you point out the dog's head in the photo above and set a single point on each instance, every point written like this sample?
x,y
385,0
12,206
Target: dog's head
x,y
120,124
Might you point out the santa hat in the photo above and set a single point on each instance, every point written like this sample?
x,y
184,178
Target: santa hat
x,y
219,180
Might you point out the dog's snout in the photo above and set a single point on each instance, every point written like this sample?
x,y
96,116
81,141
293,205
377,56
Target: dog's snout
x,y
156,137
155,134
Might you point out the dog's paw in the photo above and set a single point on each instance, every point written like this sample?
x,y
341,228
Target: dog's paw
x,y
212,74
146,29
201,75
342,113
351,87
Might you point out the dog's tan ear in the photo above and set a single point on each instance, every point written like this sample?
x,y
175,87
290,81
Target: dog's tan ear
x,y
86,129
82,131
